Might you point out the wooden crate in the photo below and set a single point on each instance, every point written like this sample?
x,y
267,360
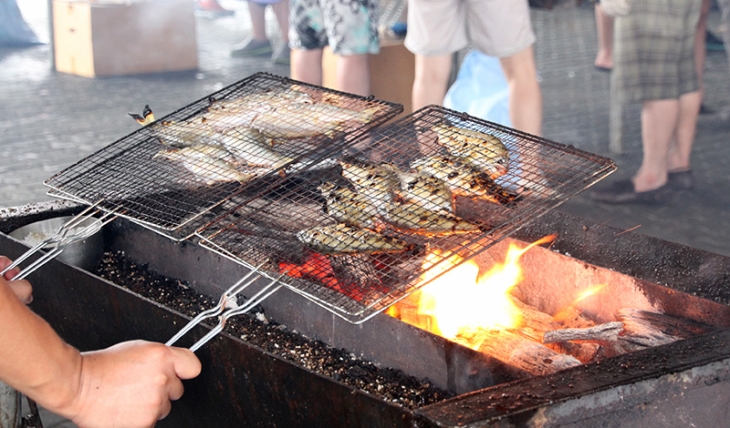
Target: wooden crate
x,y
95,39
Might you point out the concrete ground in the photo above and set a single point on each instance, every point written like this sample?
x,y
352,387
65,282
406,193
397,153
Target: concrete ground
x,y
49,120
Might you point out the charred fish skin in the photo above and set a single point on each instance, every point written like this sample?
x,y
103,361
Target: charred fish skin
x,y
425,190
463,180
343,239
412,218
249,147
146,118
483,151
377,182
349,207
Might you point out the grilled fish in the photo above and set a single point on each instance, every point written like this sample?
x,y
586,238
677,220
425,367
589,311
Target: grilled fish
x,y
343,239
209,169
412,218
249,147
349,207
484,152
377,182
307,120
425,190
462,179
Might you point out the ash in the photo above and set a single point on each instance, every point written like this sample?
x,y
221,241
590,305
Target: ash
x,y
338,364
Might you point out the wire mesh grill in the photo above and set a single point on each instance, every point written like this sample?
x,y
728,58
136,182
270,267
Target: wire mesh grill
x,y
239,140
362,232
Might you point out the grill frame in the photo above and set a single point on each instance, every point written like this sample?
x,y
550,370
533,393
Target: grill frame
x,y
259,223
163,196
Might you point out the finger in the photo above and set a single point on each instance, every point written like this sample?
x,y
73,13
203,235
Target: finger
x,y
23,290
185,363
165,409
175,389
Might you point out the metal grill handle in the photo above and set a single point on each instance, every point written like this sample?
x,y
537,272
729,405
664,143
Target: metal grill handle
x,y
67,234
226,298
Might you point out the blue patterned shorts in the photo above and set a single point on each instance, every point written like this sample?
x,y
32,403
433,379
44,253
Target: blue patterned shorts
x,y
348,27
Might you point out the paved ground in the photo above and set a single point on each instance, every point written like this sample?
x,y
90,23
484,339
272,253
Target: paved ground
x,y
49,120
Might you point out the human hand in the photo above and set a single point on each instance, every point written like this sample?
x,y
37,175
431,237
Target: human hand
x,y
130,384
21,288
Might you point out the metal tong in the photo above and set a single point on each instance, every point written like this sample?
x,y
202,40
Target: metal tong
x,y
68,233
227,306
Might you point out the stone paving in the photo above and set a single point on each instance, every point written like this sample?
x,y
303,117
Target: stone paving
x,y
49,120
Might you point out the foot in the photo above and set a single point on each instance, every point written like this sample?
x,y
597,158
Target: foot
x,y
282,55
252,47
680,180
213,7
623,192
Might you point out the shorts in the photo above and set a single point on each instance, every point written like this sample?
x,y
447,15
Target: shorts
x,y
653,52
348,27
499,28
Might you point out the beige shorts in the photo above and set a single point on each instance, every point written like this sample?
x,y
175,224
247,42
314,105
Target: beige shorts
x,y
499,28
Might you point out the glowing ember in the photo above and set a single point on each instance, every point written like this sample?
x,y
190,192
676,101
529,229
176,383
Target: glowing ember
x,y
460,302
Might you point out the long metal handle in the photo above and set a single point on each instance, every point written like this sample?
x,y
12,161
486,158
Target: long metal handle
x,y
259,297
67,234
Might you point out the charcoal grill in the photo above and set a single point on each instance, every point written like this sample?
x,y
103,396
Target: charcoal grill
x,y
686,382
263,231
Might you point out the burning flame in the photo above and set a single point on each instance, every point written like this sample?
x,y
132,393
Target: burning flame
x,y
459,302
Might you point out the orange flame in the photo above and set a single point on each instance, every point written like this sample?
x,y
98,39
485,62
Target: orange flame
x,y
461,302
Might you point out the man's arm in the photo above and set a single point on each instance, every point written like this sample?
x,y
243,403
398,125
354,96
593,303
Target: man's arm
x,y
130,384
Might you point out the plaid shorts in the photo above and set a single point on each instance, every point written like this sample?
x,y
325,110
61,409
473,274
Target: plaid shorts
x,y
348,27
653,53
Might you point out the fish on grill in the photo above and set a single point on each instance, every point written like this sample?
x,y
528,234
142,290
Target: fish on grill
x,y
349,207
355,270
377,182
290,121
207,168
249,147
425,190
462,179
411,218
482,151
343,239
146,118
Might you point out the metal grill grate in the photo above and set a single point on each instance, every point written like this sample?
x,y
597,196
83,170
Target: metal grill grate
x,y
237,141
357,284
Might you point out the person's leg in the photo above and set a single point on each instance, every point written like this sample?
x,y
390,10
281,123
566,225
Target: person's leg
x,y
658,126
306,66
281,11
604,33
353,74
258,20
430,80
525,96
679,152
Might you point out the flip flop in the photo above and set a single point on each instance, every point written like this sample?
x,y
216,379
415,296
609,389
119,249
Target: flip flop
x,y
604,69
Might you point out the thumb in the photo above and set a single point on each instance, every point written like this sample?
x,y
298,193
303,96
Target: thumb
x,y
185,363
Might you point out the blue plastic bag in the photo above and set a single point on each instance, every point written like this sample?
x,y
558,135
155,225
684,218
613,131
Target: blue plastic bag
x,y
480,89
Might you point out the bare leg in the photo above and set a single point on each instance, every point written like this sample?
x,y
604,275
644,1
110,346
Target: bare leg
x,y
306,66
525,97
658,126
281,11
258,20
430,80
604,33
353,74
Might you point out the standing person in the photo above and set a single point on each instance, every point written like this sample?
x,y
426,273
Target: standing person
x,y
604,34
348,27
661,69
500,28
259,44
130,384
